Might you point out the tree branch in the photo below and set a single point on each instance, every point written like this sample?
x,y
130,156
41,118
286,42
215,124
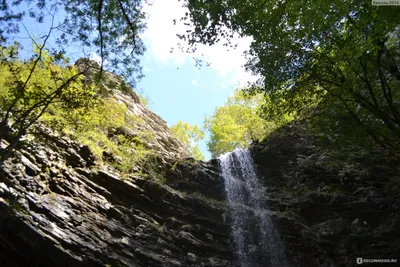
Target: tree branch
x,y
386,94
132,28
99,14
366,81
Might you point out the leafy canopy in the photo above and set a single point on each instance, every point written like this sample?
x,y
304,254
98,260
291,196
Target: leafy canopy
x,y
285,32
95,127
238,123
338,59
112,27
189,135
29,88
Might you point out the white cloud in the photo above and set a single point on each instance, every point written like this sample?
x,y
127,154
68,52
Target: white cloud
x,y
95,57
161,32
161,38
195,83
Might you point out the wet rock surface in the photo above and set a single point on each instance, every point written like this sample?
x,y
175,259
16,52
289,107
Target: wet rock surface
x,y
329,214
59,209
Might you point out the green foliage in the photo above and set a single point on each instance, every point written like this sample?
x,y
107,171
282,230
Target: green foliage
x,y
93,127
49,90
284,33
29,88
338,61
46,83
145,99
189,135
238,122
30,85
110,27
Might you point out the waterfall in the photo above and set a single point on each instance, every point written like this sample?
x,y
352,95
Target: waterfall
x,y
256,240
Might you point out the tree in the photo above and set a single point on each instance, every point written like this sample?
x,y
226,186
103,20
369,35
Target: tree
x,y
189,135
111,26
33,85
104,127
341,55
238,123
29,88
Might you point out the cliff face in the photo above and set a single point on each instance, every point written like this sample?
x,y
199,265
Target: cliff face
x,y
112,86
163,142
330,212
55,211
60,207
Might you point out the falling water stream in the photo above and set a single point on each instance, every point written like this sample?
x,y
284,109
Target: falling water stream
x,y
255,238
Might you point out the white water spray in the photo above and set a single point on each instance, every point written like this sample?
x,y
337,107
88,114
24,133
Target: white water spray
x,y
257,242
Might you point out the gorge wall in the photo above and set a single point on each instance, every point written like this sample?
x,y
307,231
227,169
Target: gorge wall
x,y
53,213
60,207
330,212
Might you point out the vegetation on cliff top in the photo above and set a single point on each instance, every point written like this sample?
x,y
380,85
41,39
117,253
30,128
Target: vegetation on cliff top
x,y
29,88
44,83
336,64
239,122
189,135
47,89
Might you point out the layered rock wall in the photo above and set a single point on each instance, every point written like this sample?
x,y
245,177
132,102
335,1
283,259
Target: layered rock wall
x,y
60,206
56,211
329,212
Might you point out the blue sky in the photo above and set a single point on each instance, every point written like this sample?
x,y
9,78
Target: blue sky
x,y
177,88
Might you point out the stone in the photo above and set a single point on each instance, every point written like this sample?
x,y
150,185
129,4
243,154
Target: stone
x,y
30,168
191,257
87,155
209,237
60,207
71,214
74,159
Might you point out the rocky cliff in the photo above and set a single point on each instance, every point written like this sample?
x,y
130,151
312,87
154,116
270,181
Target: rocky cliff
x,y
330,212
60,207
112,86
55,213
